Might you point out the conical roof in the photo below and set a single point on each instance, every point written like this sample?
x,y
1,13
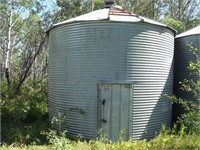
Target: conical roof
x,y
112,13
192,31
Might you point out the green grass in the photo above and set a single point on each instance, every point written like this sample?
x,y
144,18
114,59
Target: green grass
x,y
24,147
162,142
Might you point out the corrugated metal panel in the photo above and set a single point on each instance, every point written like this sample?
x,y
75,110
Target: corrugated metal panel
x,y
149,67
182,58
83,54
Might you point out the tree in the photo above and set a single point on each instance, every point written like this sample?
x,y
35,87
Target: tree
x,y
175,24
185,11
147,8
70,8
24,103
24,41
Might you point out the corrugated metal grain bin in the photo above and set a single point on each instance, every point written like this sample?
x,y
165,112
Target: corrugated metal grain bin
x,y
182,58
109,69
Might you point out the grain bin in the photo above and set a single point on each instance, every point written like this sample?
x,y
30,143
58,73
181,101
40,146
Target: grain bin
x,y
182,57
109,69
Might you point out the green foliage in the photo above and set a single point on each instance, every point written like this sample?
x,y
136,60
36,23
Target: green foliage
x,y
23,147
57,142
185,11
175,24
70,9
58,121
174,142
189,122
24,115
165,140
146,8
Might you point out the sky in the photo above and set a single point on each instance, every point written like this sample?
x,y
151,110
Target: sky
x,y
50,5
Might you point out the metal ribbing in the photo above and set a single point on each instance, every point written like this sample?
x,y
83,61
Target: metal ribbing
x,y
149,67
182,58
87,53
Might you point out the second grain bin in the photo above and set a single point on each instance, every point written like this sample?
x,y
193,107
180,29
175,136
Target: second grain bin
x,y
183,56
109,69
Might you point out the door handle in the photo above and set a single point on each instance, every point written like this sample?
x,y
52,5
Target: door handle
x,y
103,102
104,121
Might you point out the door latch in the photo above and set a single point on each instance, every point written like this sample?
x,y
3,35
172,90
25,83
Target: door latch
x,y
103,102
104,121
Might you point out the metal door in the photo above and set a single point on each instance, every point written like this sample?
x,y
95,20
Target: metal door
x,y
115,110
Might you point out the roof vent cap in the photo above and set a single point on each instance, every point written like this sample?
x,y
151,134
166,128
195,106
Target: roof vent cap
x,y
111,4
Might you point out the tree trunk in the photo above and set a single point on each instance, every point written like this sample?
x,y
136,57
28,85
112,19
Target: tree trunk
x,y
8,53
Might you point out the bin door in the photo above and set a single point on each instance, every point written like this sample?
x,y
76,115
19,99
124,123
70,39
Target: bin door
x,y
115,110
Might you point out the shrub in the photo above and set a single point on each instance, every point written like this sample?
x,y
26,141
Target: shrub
x,y
190,120
24,115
